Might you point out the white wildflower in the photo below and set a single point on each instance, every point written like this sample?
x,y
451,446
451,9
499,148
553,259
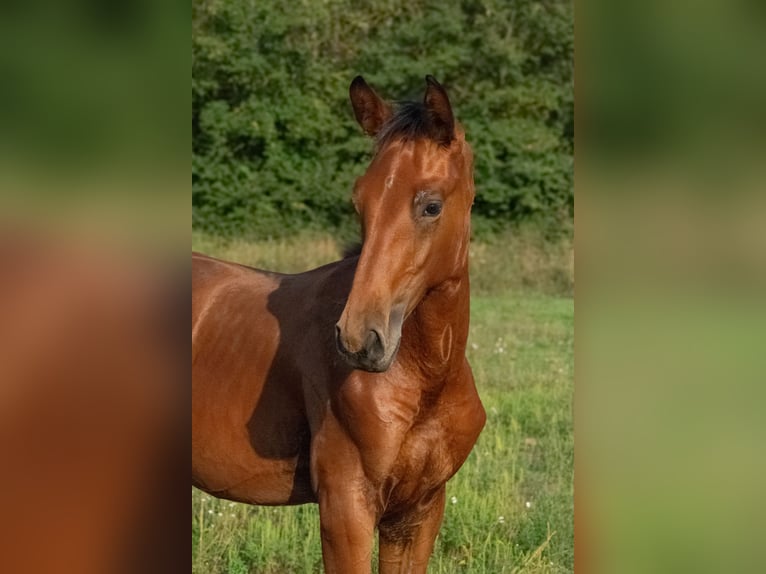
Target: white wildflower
x,y
453,500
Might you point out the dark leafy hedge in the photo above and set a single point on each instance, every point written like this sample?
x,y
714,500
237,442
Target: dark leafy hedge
x,y
275,147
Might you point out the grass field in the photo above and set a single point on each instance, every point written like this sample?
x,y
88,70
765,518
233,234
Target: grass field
x,y
510,508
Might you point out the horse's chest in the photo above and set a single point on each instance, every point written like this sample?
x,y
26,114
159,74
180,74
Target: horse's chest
x,y
406,452
425,461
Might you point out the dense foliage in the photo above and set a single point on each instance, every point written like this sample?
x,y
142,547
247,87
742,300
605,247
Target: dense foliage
x,y
275,147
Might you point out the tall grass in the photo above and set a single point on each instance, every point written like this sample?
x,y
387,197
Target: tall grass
x,y
521,260
510,508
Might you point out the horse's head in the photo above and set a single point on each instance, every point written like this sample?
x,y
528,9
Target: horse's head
x,y
414,203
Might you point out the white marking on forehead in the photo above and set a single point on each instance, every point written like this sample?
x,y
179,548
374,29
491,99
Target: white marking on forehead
x,y
389,181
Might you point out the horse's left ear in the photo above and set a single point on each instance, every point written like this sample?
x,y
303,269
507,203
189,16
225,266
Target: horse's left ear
x,y
370,110
440,111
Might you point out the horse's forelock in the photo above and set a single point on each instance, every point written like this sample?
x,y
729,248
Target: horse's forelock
x,y
410,121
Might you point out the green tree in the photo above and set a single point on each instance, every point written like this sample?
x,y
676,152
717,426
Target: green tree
x,y
275,147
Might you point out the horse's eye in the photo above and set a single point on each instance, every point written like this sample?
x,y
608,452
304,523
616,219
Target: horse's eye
x,y
433,209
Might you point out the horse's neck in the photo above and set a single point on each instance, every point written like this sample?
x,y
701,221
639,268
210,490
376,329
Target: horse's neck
x,y
437,331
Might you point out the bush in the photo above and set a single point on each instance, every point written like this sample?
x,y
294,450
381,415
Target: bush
x,y
275,147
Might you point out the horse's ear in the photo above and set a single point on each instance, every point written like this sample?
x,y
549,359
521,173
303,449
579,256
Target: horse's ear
x,y
371,112
440,112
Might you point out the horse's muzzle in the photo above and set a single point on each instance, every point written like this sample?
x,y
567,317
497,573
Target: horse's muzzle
x,y
371,356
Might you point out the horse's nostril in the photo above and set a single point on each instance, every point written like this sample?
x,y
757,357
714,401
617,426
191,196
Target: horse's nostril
x,y
338,339
374,345
370,351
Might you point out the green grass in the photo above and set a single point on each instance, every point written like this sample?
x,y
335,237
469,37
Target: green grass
x,y
510,507
515,261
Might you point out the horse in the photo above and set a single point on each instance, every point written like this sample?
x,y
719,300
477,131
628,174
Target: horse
x,y
348,385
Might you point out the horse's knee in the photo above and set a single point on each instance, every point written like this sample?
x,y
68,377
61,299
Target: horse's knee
x,y
344,517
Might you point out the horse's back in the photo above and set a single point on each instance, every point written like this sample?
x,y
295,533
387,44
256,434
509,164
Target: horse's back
x,y
212,277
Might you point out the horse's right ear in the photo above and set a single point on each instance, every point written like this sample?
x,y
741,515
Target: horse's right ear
x,y
371,112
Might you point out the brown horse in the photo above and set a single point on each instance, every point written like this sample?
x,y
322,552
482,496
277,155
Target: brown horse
x,y
348,385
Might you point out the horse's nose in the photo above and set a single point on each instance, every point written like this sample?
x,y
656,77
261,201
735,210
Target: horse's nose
x,y
371,349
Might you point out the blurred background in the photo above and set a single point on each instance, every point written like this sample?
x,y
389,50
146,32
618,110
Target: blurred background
x,y
94,297
93,124
671,270
94,147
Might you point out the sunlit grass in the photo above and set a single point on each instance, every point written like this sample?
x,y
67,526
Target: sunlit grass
x,y
289,255
510,508
519,260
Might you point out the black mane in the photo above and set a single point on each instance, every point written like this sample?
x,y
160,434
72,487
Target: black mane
x,y
410,121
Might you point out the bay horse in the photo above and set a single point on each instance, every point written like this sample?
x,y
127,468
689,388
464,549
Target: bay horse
x,y
348,385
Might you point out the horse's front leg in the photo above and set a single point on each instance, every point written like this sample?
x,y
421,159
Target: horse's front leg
x,y
407,540
347,512
348,527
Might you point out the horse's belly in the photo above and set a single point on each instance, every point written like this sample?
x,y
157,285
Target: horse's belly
x,y
270,482
258,458
250,437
